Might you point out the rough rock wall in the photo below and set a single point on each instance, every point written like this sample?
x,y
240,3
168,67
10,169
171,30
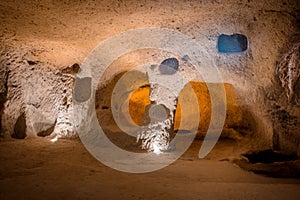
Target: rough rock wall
x,y
3,87
234,121
38,97
284,98
268,25
65,25
288,72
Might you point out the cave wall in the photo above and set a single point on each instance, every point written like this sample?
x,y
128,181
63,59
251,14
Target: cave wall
x,y
3,88
38,96
139,100
57,37
284,99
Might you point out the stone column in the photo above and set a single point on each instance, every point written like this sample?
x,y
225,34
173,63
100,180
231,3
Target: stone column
x,y
165,85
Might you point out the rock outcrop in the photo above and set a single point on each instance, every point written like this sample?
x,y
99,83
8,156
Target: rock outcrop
x,y
36,97
284,99
288,72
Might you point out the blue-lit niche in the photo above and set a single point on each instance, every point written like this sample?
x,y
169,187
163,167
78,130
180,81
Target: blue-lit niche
x,y
232,43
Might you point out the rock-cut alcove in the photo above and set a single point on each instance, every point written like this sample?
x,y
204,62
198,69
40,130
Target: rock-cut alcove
x,y
239,122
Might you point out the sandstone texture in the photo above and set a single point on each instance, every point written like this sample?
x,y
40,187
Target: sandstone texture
x,y
42,41
139,101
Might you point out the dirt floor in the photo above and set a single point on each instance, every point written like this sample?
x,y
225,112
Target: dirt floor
x,y
40,169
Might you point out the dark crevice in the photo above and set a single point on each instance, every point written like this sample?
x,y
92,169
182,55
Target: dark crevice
x,y
270,156
20,127
48,131
3,99
30,62
104,107
145,86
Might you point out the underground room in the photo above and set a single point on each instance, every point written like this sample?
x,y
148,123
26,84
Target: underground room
x,y
127,99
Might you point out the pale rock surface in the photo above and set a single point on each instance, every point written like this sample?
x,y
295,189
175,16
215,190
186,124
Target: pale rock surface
x,y
57,34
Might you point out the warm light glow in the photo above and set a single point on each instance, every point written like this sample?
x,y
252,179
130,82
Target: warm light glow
x,y
156,149
139,100
54,139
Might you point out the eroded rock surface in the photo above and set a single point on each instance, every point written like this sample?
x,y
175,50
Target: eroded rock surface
x,y
43,39
288,72
37,95
235,121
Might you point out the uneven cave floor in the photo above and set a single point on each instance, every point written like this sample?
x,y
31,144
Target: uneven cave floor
x,y
39,169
